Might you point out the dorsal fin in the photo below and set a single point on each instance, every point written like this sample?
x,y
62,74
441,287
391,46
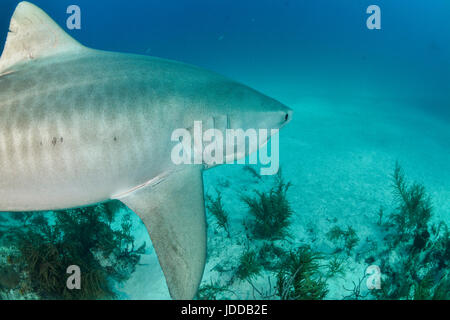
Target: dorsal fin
x,y
33,35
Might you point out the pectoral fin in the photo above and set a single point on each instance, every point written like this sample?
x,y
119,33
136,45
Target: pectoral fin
x,y
174,213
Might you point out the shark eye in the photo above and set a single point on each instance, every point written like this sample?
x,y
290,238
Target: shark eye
x,y
286,117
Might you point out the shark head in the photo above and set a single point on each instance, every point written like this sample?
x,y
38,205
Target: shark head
x,y
236,119
252,118
250,109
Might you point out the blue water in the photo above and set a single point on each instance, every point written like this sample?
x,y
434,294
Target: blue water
x,y
322,45
363,99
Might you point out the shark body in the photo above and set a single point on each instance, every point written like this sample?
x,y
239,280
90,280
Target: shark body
x,y
80,126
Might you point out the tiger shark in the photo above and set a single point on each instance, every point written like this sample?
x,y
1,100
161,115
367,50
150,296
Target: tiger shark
x,y
80,126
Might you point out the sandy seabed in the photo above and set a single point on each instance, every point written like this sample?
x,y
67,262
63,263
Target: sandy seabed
x,y
339,157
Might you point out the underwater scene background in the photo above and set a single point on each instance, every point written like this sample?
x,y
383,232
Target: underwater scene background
x,y
364,184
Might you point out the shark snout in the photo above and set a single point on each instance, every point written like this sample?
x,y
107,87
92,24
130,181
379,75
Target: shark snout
x,y
286,115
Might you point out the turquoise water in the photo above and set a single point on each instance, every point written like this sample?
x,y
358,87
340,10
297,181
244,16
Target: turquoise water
x,y
362,99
